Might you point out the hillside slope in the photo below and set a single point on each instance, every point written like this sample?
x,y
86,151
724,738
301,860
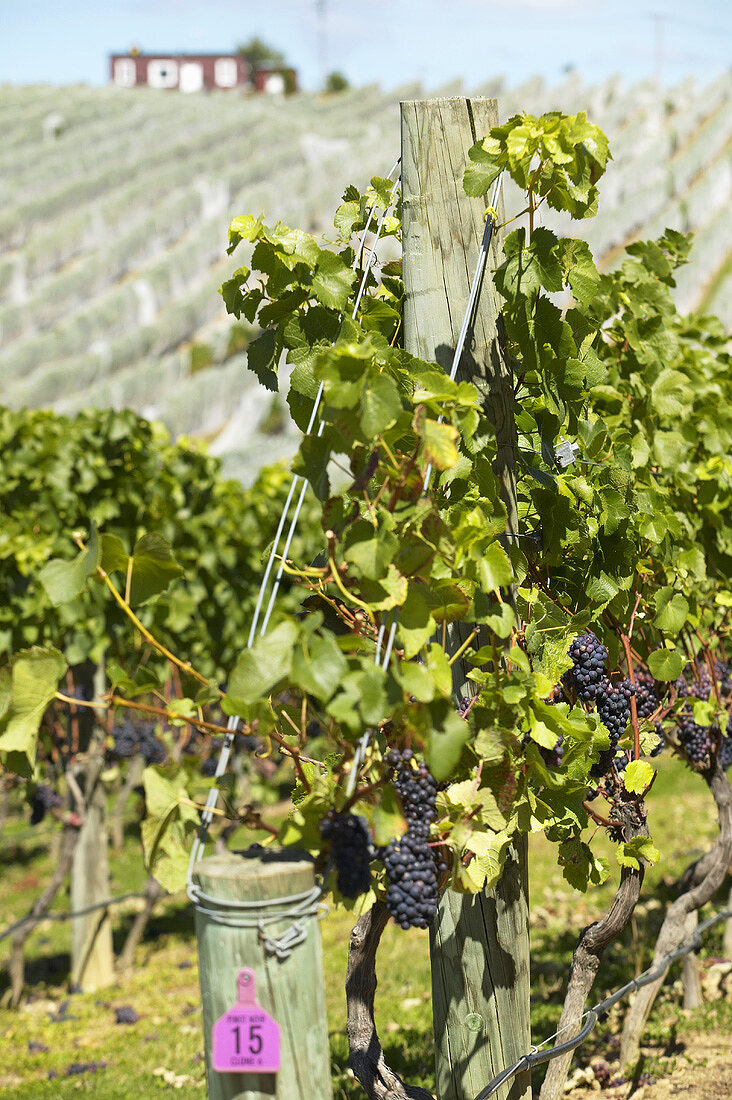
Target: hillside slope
x,y
113,232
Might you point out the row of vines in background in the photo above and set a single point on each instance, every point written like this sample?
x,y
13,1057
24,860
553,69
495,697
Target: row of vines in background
x,y
599,630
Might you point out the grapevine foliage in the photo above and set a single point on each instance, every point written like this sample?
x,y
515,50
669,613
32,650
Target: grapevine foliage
x,y
623,564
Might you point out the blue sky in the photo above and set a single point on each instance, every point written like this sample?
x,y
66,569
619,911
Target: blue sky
x,y
389,41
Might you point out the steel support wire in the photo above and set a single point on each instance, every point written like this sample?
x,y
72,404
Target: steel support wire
x,y
537,1057
208,812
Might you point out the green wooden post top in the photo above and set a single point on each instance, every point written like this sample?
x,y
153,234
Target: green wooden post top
x,y
291,990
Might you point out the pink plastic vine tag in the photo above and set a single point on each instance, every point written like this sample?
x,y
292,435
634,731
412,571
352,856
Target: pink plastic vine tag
x,y
246,1039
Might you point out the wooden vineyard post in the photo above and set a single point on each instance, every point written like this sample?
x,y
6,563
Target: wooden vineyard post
x,y
479,944
92,951
290,990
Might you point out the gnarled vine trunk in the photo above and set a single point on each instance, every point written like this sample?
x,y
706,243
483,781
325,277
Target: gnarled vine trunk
x,y
39,909
592,943
366,1055
704,878
153,892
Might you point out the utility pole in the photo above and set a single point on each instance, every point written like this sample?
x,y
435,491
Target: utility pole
x,y
322,41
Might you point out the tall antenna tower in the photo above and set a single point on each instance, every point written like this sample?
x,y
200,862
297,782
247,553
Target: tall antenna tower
x,y
320,6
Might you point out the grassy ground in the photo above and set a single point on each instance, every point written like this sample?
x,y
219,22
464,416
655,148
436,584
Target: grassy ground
x,y
53,1033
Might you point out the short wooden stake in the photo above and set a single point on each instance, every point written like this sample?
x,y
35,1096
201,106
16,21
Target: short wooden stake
x,y
290,990
479,944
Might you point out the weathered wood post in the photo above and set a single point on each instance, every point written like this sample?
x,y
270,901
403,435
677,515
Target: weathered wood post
x,y
92,955
92,952
289,989
479,944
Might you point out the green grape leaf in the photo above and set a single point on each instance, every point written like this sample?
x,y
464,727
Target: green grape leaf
x,y
333,281
665,664
672,610
65,580
638,775
26,689
381,404
439,441
258,669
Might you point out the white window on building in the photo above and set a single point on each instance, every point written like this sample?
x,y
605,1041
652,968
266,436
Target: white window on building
x,y
225,72
191,76
275,84
162,73
125,72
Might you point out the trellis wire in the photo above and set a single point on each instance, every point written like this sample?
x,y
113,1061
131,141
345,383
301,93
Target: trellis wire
x,y
301,499
537,1056
311,422
40,917
298,908
457,356
199,843
194,892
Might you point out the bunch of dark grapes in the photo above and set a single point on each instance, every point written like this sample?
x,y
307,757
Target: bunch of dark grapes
x,y
621,761
588,674
661,740
152,748
552,757
647,696
244,742
417,790
723,672
411,876
724,756
350,846
42,800
701,688
558,695
603,764
130,739
696,741
613,707
126,738
411,869
208,767
465,705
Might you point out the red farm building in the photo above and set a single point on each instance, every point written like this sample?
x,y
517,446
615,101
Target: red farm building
x,y
196,72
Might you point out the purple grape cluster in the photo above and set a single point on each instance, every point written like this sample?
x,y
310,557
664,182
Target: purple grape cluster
x,y
723,672
208,767
551,757
588,674
661,740
42,800
613,707
697,742
350,845
558,695
411,868
647,697
724,756
131,738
